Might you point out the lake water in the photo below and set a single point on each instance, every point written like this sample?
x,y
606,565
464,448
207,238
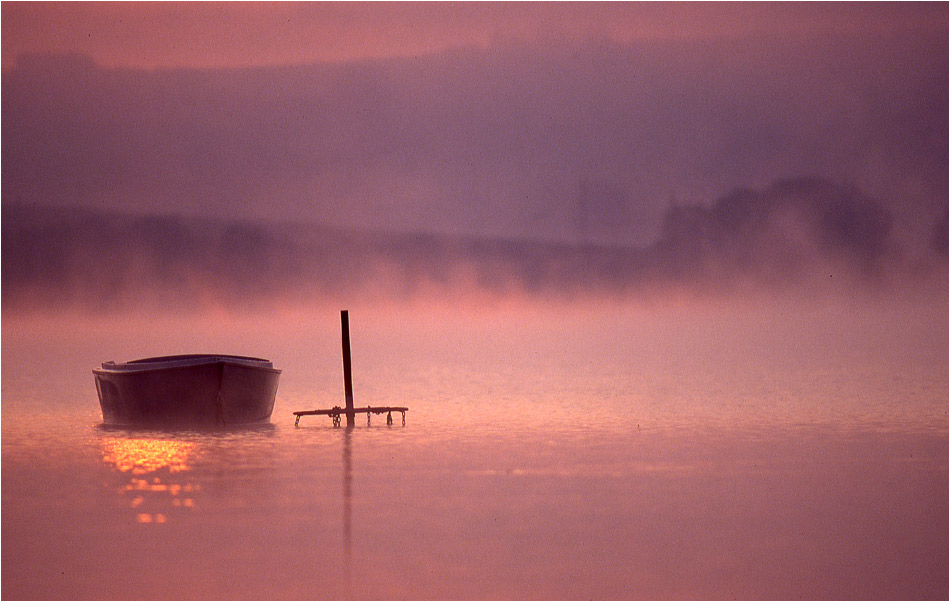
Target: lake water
x,y
557,452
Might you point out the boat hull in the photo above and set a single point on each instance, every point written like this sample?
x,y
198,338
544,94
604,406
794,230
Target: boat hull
x,y
187,391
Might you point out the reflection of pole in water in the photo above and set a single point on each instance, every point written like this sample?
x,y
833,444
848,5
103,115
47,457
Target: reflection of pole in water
x,y
347,512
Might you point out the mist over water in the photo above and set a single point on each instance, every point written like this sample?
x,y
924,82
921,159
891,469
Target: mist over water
x,y
800,238
667,299
550,451
763,387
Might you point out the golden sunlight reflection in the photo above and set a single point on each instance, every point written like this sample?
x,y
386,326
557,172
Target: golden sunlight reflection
x,y
142,456
155,471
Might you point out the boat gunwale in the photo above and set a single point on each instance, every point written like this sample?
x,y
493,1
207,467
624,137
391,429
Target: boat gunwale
x,y
168,362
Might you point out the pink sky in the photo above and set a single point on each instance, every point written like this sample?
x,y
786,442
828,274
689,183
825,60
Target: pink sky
x,y
566,122
210,34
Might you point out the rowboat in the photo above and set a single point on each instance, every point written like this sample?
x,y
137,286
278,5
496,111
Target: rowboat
x,y
187,390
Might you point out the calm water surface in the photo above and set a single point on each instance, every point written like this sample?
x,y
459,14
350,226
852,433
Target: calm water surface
x,y
547,454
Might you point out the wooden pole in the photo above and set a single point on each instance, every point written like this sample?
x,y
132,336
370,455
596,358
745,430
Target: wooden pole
x,y
347,368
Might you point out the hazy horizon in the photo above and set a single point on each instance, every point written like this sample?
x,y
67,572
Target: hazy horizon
x,y
795,239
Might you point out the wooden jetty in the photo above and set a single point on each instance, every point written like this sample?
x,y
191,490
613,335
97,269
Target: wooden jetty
x,y
336,412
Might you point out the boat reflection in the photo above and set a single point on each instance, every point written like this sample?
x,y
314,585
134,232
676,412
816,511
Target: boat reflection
x,y
156,482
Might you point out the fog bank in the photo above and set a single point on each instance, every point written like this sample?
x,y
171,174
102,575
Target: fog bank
x,y
797,238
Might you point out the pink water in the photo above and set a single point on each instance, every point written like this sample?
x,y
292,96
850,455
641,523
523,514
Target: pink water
x,y
548,453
